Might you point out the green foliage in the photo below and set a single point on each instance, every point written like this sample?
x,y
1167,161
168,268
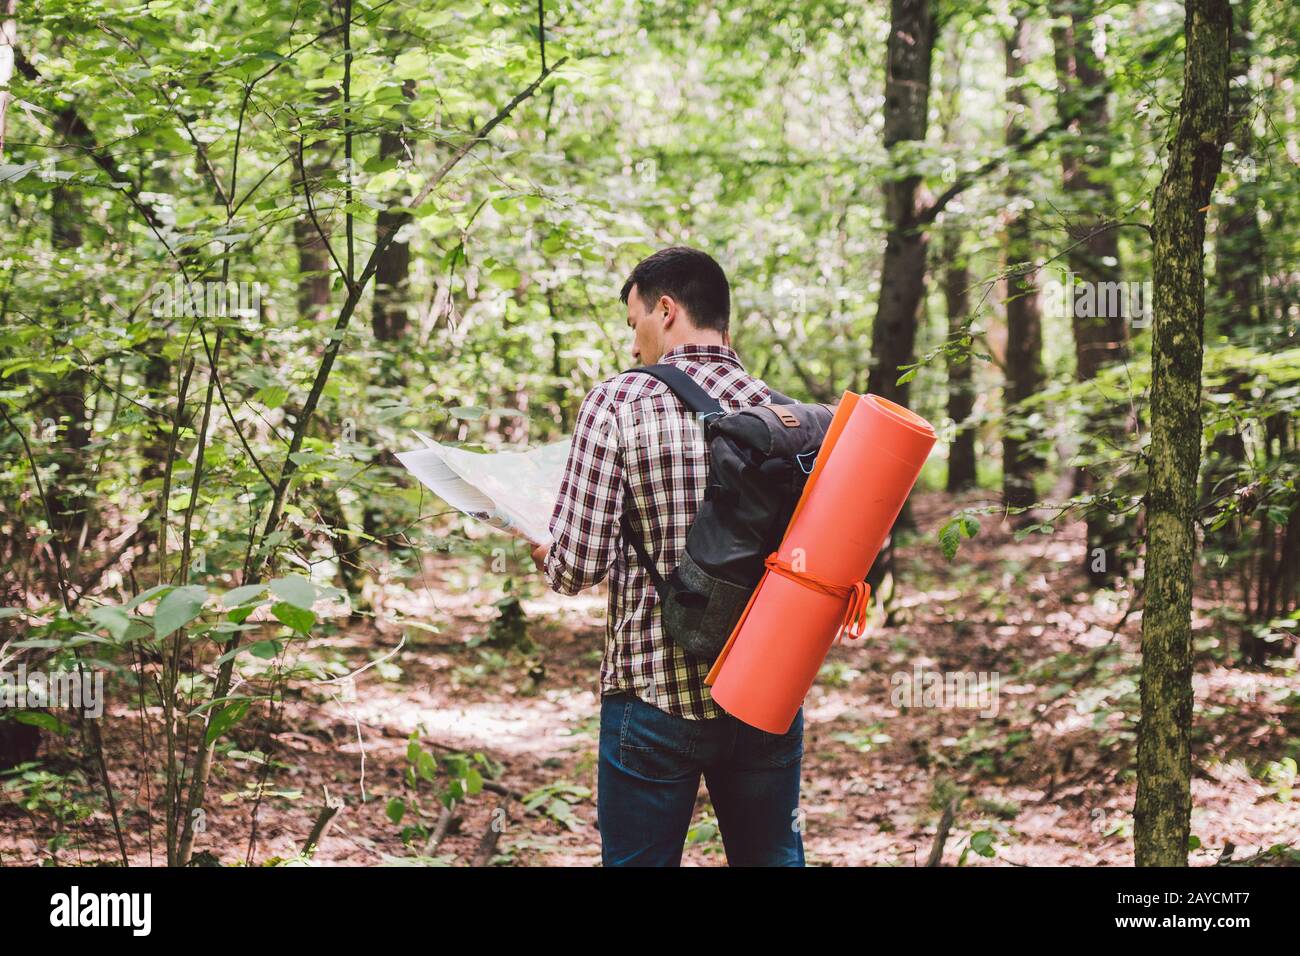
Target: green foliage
x,y
557,801
954,529
65,799
188,469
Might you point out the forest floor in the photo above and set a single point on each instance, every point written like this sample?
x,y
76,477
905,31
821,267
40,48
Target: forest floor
x,y
1043,767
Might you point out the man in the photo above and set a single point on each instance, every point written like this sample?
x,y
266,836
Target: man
x,y
636,448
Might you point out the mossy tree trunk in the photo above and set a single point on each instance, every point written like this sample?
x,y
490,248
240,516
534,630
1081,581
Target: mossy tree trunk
x,y
1163,808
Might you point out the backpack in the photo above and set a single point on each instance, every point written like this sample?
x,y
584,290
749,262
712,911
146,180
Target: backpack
x,y
760,459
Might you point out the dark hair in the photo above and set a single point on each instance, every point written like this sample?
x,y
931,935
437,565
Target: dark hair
x,y
691,277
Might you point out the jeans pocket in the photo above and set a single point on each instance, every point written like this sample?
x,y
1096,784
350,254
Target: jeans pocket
x,y
782,750
654,744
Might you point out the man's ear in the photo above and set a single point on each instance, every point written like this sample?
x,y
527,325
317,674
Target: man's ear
x,y
667,310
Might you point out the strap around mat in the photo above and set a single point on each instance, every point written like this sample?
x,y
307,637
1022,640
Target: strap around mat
x,y
858,593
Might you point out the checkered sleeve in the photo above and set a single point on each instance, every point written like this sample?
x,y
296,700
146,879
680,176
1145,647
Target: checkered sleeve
x,y
585,522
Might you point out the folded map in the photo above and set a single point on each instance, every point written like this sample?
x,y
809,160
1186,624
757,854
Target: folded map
x,y
513,491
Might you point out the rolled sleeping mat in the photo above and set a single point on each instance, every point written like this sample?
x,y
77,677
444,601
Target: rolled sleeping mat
x,y
813,586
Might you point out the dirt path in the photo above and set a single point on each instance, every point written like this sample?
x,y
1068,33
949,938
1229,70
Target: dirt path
x,y
1042,767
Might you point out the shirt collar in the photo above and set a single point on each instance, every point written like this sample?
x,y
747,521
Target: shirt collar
x,y
724,354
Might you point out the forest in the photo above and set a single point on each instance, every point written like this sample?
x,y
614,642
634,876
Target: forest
x,y
248,249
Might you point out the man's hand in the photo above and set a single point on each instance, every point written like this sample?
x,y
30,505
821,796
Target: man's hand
x,y
539,555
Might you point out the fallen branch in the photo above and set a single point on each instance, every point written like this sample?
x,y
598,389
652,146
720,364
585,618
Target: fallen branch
x,y
324,820
439,831
488,845
941,834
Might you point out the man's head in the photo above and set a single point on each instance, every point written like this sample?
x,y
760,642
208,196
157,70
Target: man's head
x,y
678,296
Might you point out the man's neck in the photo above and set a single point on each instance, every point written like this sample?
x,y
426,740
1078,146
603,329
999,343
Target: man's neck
x,y
695,338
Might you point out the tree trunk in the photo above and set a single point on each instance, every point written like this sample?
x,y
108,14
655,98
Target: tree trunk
x,y
902,272
1020,463
314,266
1162,811
902,275
314,279
961,390
1238,244
8,41
388,317
1100,337
389,311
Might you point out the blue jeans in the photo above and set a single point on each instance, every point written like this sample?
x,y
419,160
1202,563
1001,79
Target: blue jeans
x,y
649,776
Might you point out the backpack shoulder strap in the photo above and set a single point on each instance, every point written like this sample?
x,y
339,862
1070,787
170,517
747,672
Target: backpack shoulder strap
x,y
647,562
780,398
694,397
691,393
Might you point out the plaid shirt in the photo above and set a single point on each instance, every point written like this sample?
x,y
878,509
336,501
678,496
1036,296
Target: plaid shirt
x,y
634,433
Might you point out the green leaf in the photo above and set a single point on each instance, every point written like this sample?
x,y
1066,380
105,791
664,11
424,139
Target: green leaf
x,y
954,529
240,614
950,539
505,277
224,719
295,617
396,810
273,396
112,619
296,590
241,595
148,595
10,173
266,650
38,718
412,65
178,608
982,843
473,782
426,766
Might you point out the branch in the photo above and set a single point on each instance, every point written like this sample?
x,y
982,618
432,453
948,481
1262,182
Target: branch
x,y
76,127
482,133
931,212
541,30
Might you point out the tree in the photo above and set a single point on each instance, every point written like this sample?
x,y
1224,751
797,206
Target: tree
x,y
902,272
961,389
1092,254
956,281
1024,362
1162,812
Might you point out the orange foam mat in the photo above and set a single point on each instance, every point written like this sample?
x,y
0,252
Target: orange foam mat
x,y
869,461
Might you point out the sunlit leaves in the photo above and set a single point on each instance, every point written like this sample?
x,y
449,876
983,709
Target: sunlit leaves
x,y
179,608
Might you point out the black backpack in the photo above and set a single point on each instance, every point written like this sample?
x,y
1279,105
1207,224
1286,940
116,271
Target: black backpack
x,y
760,459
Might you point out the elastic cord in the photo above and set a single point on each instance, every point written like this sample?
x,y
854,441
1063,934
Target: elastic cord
x,y
857,594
